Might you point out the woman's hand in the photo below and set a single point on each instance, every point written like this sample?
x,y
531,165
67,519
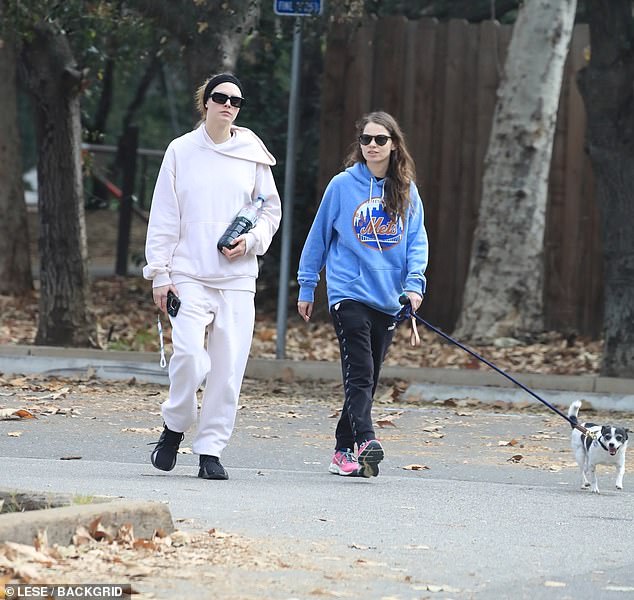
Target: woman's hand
x,y
160,296
239,249
415,299
305,310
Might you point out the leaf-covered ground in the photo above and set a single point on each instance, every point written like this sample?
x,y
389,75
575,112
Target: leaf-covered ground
x,y
126,320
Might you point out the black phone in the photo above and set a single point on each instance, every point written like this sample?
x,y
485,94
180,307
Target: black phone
x,y
173,303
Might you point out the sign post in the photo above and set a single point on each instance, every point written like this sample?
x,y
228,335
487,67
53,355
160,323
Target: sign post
x,y
297,9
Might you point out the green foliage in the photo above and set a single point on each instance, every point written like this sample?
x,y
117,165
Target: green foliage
x,y
82,500
118,38
27,132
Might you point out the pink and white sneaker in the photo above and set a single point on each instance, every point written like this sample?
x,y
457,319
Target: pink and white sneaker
x,y
370,455
344,462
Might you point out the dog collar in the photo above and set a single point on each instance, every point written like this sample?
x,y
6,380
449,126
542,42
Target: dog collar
x,y
605,447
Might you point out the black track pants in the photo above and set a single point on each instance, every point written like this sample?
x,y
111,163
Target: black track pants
x,y
364,336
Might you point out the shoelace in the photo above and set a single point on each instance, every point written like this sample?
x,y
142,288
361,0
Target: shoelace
x,y
349,456
159,325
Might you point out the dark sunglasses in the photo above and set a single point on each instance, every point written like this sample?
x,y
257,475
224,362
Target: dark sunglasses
x,y
381,140
220,98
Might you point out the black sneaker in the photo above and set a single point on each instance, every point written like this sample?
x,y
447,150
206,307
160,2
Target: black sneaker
x,y
164,455
210,468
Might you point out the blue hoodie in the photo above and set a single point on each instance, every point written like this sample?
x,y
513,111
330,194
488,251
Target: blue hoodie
x,y
368,257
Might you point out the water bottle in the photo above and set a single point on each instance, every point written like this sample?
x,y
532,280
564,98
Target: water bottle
x,y
243,222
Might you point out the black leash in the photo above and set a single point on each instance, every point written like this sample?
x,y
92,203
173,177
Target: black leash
x,y
406,313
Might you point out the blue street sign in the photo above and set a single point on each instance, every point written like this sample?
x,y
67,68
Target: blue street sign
x,y
298,8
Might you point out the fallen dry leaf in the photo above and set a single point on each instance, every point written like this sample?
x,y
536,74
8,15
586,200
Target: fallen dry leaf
x,y
438,588
557,584
142,429
415,467
98,532
432,428
8,414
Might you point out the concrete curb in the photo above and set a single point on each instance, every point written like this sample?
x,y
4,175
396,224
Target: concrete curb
x,y
61,523
109,364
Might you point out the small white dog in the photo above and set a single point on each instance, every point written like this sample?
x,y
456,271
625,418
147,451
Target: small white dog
x,y
608,449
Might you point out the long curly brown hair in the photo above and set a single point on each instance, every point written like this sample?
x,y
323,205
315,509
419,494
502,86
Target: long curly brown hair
x,y
400,171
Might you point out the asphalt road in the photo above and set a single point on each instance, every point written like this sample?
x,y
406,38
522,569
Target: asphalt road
x,y
489,508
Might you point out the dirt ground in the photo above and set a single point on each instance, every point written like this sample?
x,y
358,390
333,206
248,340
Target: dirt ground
x,y
102,231
126,321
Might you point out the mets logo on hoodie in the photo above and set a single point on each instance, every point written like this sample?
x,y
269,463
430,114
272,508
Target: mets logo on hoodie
x,y
374,227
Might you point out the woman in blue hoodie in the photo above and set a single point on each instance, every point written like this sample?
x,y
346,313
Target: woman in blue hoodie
x,y
370,235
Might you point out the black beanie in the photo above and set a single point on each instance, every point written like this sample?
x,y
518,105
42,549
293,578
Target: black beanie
x,y
217,80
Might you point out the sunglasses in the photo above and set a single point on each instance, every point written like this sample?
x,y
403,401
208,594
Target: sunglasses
x,y
220,98
381,140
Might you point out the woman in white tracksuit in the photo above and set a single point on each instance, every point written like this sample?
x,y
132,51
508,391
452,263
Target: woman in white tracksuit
x,y
206,177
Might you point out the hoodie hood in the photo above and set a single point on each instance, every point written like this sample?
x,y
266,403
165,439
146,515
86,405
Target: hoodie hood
x,y
243,144
362,174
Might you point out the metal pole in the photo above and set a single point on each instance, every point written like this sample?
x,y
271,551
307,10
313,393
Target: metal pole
x,y
129,145
289,192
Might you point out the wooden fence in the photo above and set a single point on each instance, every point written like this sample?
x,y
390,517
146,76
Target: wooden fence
x,y
440,80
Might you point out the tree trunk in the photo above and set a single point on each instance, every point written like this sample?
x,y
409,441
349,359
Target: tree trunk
x,y
606,87
222,41
15,258
503,292
54,83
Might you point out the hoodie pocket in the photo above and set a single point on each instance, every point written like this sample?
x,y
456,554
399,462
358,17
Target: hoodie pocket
x,y
197,255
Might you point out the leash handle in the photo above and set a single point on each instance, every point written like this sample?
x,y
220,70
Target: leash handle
x,y
414,338
406,313
159,326
591,434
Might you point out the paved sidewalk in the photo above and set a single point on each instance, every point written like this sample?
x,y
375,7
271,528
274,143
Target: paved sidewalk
x,y
471,521
474,501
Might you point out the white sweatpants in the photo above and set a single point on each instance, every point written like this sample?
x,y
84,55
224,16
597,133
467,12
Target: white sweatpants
x,y
225,318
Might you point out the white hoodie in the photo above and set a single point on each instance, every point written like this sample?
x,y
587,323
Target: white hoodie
x,y
200,188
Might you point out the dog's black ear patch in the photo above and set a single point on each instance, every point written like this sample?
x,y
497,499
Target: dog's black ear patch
x,y
622,431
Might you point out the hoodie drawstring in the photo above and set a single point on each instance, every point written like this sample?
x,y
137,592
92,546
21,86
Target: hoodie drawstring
x,y
376,237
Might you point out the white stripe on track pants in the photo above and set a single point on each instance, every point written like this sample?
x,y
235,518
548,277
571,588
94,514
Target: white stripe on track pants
x,y
226,318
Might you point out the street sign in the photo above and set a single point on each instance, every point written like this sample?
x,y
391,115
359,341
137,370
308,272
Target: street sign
x,y
298,8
